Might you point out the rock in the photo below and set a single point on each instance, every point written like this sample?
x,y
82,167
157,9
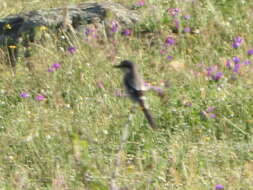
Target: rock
x,y
23,27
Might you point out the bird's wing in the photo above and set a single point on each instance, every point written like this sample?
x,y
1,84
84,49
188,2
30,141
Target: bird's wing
x,y
135,82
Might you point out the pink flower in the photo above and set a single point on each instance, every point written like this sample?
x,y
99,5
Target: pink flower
x,y
101,85
173,11
187,29
163,51
140,3
50,70
40,97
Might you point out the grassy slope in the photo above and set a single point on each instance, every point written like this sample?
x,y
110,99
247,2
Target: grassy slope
x,y
71,139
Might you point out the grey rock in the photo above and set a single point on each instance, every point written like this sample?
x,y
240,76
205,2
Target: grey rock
x,y
23,27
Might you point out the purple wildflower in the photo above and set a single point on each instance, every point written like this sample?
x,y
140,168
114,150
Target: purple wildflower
x,y
236,67
140,3
160,92
88,31
219,186
247,62
236,45
228,64
169,57
91,32
188,104
56,65
170,41
203,113
147,84
250,52
50,70
236,59
211,70
187,29
114,26
238,39
217,76
177,23
187,17
237,42
24,95
127,32
213,73
173,11
157,89
72,50
208,113
40,97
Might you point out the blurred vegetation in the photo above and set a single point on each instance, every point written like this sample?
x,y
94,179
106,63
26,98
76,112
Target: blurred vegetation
x,y
72,138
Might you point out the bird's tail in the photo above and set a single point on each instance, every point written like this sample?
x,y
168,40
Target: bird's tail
x,y
147,114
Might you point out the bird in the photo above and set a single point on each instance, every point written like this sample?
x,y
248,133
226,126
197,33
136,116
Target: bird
x,y
134,85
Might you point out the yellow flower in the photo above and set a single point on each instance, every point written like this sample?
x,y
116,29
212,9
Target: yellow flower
x,y
12,46
7,27
178,65
43,28
206,138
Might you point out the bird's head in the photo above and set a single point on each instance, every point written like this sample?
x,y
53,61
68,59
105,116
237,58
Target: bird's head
x,y
125,65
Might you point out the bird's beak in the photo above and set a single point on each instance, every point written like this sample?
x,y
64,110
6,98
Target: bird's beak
x,y
117,66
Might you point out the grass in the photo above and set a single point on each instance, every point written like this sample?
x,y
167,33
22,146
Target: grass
x,y
83,136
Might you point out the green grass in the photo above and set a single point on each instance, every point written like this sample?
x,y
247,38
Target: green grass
x,y
72,139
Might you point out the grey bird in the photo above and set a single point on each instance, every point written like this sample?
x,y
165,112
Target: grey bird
x,y
135,87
